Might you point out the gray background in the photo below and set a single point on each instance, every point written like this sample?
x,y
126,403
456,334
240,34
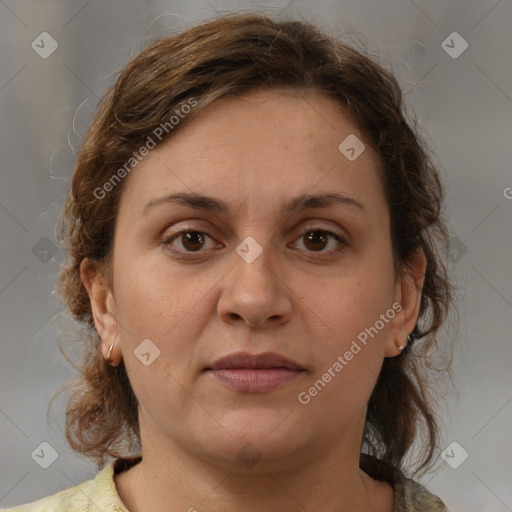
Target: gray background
x,y
464,104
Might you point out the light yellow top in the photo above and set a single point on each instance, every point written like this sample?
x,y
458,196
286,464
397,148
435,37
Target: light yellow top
x,y
96,495
100,494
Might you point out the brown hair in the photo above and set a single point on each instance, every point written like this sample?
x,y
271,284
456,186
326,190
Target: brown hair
x,y
226,57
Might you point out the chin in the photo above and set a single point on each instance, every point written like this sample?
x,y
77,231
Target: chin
x,y
255,457
254,441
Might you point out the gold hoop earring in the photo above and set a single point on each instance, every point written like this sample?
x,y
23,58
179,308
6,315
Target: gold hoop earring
x,y
398,346
110,350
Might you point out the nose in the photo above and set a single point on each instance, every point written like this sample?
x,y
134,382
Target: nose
x,y
255,294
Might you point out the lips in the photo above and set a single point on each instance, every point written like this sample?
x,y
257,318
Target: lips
x,y
255,373
264,361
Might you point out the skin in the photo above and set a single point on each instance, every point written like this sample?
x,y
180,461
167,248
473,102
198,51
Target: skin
x,y
307,302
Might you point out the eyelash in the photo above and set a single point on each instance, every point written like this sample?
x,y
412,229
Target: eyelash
x,y
186,254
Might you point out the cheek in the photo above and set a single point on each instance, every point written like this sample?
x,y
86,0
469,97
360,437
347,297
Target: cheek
x,y
348,351
170,312
345,317
347,304
151,300
160,323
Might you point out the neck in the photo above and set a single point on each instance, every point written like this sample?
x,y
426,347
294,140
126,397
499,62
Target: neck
x,y
325,478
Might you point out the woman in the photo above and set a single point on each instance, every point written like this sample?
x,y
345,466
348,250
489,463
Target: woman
x,y
254,237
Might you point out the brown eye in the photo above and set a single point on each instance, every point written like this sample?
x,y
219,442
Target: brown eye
x,y
188,241
316,240
193,240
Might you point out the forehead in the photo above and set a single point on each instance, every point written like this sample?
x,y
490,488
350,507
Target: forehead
x,y
263,146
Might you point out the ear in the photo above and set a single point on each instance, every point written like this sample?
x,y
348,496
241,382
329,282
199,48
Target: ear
x,y
408,294
103,308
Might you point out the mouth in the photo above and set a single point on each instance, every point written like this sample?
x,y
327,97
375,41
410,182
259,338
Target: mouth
x,y
256,373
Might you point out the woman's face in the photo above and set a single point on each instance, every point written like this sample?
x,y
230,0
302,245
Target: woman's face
x,y
264,268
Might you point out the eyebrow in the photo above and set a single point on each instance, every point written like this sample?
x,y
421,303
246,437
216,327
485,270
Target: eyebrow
x,y
212,204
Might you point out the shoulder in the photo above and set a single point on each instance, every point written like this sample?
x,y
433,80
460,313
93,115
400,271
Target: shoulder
x,y
410,496
416,498
97,493
72,499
